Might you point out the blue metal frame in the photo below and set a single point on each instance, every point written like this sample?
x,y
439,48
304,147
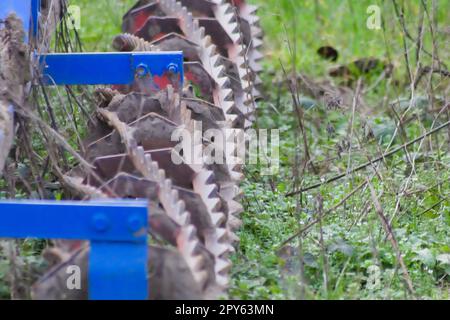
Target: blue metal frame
x,y
109,68
116,229
35,12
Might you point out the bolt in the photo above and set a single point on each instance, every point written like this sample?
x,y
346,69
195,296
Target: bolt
x,y
142,70
100,223
173,68
135,224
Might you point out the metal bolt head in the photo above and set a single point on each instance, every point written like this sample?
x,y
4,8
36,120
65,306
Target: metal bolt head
x,y
100,223
135,224
173,68
142,70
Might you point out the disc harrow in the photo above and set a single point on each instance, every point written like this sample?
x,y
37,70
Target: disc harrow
x,y
194,207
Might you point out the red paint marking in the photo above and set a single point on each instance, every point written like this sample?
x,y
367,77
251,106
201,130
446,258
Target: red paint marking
x,y
140,20
238,3
119,88
158,36
190,76
161,82
75,245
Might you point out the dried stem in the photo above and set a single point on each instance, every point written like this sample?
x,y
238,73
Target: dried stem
x,y
388,229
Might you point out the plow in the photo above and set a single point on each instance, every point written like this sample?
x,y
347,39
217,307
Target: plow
x,y
147,223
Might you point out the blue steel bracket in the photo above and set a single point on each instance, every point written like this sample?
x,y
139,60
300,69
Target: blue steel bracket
x,y
110,68
117,231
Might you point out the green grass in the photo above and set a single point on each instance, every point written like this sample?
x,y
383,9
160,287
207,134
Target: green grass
x,y
353,237
308,25
100,22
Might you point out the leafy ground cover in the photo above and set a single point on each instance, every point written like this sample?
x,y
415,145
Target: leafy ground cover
x,y
346,253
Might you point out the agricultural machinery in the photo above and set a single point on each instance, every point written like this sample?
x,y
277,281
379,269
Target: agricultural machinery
x,y
135,223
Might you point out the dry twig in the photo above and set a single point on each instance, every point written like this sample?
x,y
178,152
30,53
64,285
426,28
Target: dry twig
x,y
388,229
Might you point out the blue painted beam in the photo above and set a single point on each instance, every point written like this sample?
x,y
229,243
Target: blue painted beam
x,y
118,271
35,12
124,221
116,229
108,68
